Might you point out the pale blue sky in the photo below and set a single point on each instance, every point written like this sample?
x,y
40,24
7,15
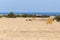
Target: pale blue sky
x,y
30,5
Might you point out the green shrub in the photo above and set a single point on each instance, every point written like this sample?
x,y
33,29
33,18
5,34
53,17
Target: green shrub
x,y
17,15
11,15
0,16
43,16
57,18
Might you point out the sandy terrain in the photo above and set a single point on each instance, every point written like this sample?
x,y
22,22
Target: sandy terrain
x,y
20,29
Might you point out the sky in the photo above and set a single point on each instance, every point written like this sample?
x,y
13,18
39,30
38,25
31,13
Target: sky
x,y
30,5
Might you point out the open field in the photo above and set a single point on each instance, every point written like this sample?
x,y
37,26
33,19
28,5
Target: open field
x,y
20,29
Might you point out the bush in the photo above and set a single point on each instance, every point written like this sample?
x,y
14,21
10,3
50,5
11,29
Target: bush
x,y
11,15
24,15
34,15
0,16
43,16
57,18
18,15
4,15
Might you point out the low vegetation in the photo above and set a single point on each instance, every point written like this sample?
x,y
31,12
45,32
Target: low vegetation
x,y
0,16
57,18
12,15
43,16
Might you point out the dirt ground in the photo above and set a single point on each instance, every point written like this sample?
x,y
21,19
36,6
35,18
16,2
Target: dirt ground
x,y
20,29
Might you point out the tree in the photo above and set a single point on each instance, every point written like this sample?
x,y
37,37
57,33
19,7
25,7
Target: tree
x,y
11,15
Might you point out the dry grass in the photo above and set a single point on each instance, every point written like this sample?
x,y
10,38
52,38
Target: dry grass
x,y
20,29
